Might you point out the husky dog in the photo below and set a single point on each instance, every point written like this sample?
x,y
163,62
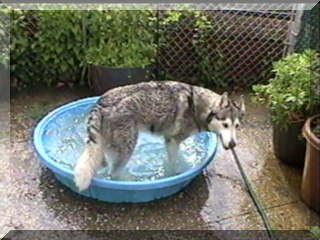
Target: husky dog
x,y
174,110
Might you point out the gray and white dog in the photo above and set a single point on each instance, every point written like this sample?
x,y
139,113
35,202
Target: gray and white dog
x,y
174,110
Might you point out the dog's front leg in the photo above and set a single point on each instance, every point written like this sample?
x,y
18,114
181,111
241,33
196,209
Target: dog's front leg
x,y
171,162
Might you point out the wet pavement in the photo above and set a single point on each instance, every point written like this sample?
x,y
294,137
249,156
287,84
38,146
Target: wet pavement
x,y
31,198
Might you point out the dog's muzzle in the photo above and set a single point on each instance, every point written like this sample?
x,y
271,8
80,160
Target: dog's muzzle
x,y
232,144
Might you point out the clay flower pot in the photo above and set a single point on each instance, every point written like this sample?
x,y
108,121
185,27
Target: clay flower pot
x,y
310,188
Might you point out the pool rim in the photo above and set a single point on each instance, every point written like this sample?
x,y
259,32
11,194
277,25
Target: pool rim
x,y
105,183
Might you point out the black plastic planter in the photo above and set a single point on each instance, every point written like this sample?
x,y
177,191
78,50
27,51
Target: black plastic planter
x,y
289,145
4,83
103,78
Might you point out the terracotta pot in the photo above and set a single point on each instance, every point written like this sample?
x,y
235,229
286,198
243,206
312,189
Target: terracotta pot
x,y
288,144
103,78
310,188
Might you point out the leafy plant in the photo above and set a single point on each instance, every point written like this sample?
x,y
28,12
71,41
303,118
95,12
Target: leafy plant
x,y
52,46
61,44
292,95
46,47
126,38
315,231
4,36
23,66
211,64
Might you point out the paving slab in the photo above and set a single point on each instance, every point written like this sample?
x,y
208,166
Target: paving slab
x,y
294,216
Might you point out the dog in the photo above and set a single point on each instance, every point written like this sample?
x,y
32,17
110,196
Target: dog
x,y
172,109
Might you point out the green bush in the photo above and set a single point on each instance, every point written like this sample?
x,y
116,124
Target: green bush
x,y
126,38
46,47
315,232
52,46
4,36
22,64
61,44
293,94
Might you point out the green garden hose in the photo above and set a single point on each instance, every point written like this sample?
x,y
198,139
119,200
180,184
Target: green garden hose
x,y
254,197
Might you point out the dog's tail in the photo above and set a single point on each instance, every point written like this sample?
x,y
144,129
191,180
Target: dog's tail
x,y
93,154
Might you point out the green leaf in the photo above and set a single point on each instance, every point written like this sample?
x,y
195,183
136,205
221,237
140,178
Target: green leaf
x,y
315,231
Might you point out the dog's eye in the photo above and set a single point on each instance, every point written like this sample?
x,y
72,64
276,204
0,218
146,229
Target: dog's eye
x,y
225,125
237,125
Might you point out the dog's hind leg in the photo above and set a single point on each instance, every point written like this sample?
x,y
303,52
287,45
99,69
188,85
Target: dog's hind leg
x,y
92,156
117,169
90,160
124,140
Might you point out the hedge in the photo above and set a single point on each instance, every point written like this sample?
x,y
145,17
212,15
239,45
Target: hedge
x,y
51,46
46,47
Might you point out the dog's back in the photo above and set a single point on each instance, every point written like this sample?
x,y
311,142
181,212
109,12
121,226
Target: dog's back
x,y
153,104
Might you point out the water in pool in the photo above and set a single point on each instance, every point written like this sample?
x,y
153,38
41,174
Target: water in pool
x,y
65,137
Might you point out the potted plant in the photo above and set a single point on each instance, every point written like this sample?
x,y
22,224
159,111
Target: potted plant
x,y
311,174
292,98
124,51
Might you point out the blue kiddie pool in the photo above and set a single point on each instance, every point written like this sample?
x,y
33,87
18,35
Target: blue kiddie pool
x,y
59,140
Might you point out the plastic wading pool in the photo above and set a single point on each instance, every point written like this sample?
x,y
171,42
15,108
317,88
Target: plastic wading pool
x,y
59,140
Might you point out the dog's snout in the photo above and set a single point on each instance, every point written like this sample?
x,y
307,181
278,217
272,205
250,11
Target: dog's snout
x,y
232,144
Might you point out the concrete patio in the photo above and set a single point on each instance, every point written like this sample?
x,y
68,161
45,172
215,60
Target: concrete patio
x,y
33,199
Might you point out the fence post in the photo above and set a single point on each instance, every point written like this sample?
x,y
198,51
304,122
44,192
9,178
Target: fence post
x,y
309,35
157,41
294,28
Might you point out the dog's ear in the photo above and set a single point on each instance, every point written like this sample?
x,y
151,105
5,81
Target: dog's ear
x,y
224,101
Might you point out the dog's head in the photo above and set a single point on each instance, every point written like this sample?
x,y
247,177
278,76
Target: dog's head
x,y
225,119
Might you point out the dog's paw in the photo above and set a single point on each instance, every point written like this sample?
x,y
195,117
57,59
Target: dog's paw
x,y
82,182
82,179
169,171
